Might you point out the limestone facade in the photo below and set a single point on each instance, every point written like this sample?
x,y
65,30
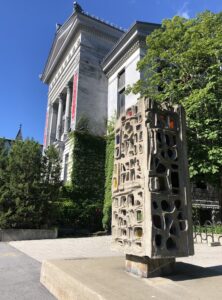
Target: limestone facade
x,y
77,84
122,60
82,72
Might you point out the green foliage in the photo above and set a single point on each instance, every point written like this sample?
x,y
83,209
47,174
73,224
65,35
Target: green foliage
x,y
50,185
88,166
107,208
51,166
216,229
67,212
90,214
3,164
28,188
19,200
183,64
111,125
77,213
88,179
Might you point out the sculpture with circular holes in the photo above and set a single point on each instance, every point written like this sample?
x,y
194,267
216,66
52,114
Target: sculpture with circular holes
x,y
151,212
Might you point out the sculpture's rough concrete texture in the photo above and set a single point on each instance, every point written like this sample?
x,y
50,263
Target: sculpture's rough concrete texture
x,y
151,210
149,267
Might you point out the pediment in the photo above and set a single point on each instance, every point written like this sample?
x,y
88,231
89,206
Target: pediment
x,y
67,33
60,41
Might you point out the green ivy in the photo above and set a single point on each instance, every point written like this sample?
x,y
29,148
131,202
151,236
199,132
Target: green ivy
x,y
107,208
88,178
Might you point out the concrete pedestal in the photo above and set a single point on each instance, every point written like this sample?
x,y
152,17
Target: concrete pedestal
x,y
105,279
147,267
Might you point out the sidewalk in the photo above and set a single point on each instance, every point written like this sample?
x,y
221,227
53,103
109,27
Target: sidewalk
x,y
19,276
40,250
198,277
66,248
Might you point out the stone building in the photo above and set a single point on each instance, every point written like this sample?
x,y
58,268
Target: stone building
x,y
88,68
120,66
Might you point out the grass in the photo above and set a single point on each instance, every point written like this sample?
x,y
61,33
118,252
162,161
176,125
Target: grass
x,y
216,229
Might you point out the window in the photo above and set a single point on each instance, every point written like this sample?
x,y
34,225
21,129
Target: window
x,y
121,93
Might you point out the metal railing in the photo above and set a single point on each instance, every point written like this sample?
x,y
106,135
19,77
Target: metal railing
x,y
207,233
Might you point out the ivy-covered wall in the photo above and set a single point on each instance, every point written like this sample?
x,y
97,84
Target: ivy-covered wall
x,y
88,178
107,208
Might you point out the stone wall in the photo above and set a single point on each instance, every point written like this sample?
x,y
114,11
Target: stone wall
x,y
7,235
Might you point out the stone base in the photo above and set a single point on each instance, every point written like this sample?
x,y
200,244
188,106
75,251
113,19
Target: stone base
x,y
147,267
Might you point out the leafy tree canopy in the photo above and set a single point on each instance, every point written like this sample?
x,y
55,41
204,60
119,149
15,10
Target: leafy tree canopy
x,y
29,184
183,64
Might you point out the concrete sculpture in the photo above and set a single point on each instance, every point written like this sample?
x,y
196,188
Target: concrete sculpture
x,y
151,209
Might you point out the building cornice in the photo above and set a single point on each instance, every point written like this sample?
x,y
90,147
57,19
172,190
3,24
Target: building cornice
x,y
71,57
137,45
71,28
60,83
136,35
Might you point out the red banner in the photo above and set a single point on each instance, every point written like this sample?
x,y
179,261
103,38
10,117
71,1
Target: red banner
x,y
74,96
46,128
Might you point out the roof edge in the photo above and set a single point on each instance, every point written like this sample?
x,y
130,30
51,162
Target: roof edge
x,y
43,77
136,26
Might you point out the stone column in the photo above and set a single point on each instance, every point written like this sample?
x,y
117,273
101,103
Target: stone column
x,y
68,108
59,119
50,116
47,127
53,120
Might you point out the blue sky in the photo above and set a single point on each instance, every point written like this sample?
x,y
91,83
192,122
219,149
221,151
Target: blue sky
x,y
27,28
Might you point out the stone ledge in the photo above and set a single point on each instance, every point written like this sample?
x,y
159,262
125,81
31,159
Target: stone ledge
x,y
105,279
92,279
8,235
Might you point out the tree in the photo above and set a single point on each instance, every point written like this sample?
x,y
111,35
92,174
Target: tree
x,y
30,185
3,171
50,184
20,199
3,163
183,64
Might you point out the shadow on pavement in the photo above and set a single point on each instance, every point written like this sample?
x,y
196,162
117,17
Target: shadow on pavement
x,y
185,271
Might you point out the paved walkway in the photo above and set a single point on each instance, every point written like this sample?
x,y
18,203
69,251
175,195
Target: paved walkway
x,y
19,276
66,248
205,256
197,276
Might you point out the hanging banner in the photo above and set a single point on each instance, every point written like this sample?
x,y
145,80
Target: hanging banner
x,y
74,98
46,127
